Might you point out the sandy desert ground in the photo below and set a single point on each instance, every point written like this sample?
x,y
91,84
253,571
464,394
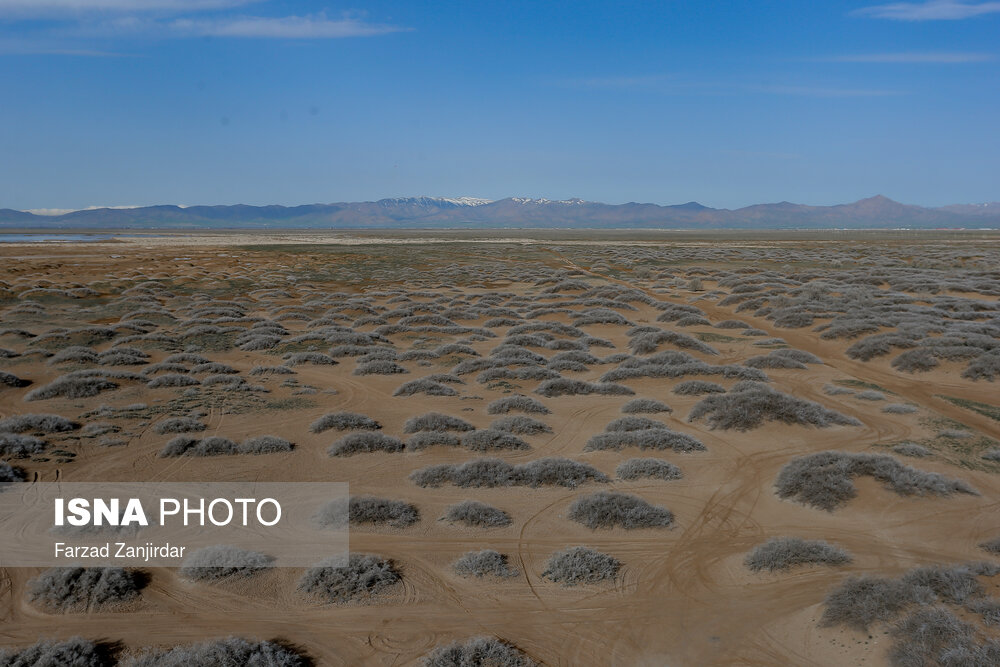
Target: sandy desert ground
x,y
683,595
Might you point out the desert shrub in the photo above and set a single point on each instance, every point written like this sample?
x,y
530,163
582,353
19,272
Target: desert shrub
x,y
879,345
377,511
380,367
783,553
211,446
39,423
528,373
123,356
731,324
870,395
524,404
424,386
9,473
645,405
824,479
17,446
223,561
74,354
186,358
576,356
447,378
70,589
489,472
632,423
991,454
581,565
490,439
992,546
610,509
73,652
692,321
796,355
666,365
435,421
570,387
264,444
316,358
985,367
988,610
71,387
697,388
935,636
179,425
344,421
272,370
423,439
477,515
350,350
656,438
214,368
11,380
234,651
754,405
521,425
95,429
172,380
364,577
648,469
646,343
860,601
919,360
476,652
771,361
553,471
834,390
911,449
899,409
364,442
954,584
254,343
487,562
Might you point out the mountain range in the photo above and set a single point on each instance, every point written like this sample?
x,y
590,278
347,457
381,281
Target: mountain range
x,y
516,212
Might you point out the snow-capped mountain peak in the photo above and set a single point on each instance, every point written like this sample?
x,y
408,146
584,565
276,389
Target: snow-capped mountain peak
x,y
465,201
529,200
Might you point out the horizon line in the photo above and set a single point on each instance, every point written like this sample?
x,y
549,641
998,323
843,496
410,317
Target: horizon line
x,y
482,201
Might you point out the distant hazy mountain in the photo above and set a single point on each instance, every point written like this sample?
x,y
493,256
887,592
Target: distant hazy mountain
x,y
987,209
470,212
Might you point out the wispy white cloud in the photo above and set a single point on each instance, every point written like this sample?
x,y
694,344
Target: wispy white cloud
x,y
910,58
54,48
285,27
821,91
641,81
121,21
55,8
676,85
932,10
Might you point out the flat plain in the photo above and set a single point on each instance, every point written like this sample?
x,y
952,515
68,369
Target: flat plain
x,y
747,449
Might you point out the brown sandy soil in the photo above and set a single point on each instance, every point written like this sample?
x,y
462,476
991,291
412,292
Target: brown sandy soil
x,y
683,596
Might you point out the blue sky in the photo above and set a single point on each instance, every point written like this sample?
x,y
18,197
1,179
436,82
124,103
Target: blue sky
x,y
137,102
